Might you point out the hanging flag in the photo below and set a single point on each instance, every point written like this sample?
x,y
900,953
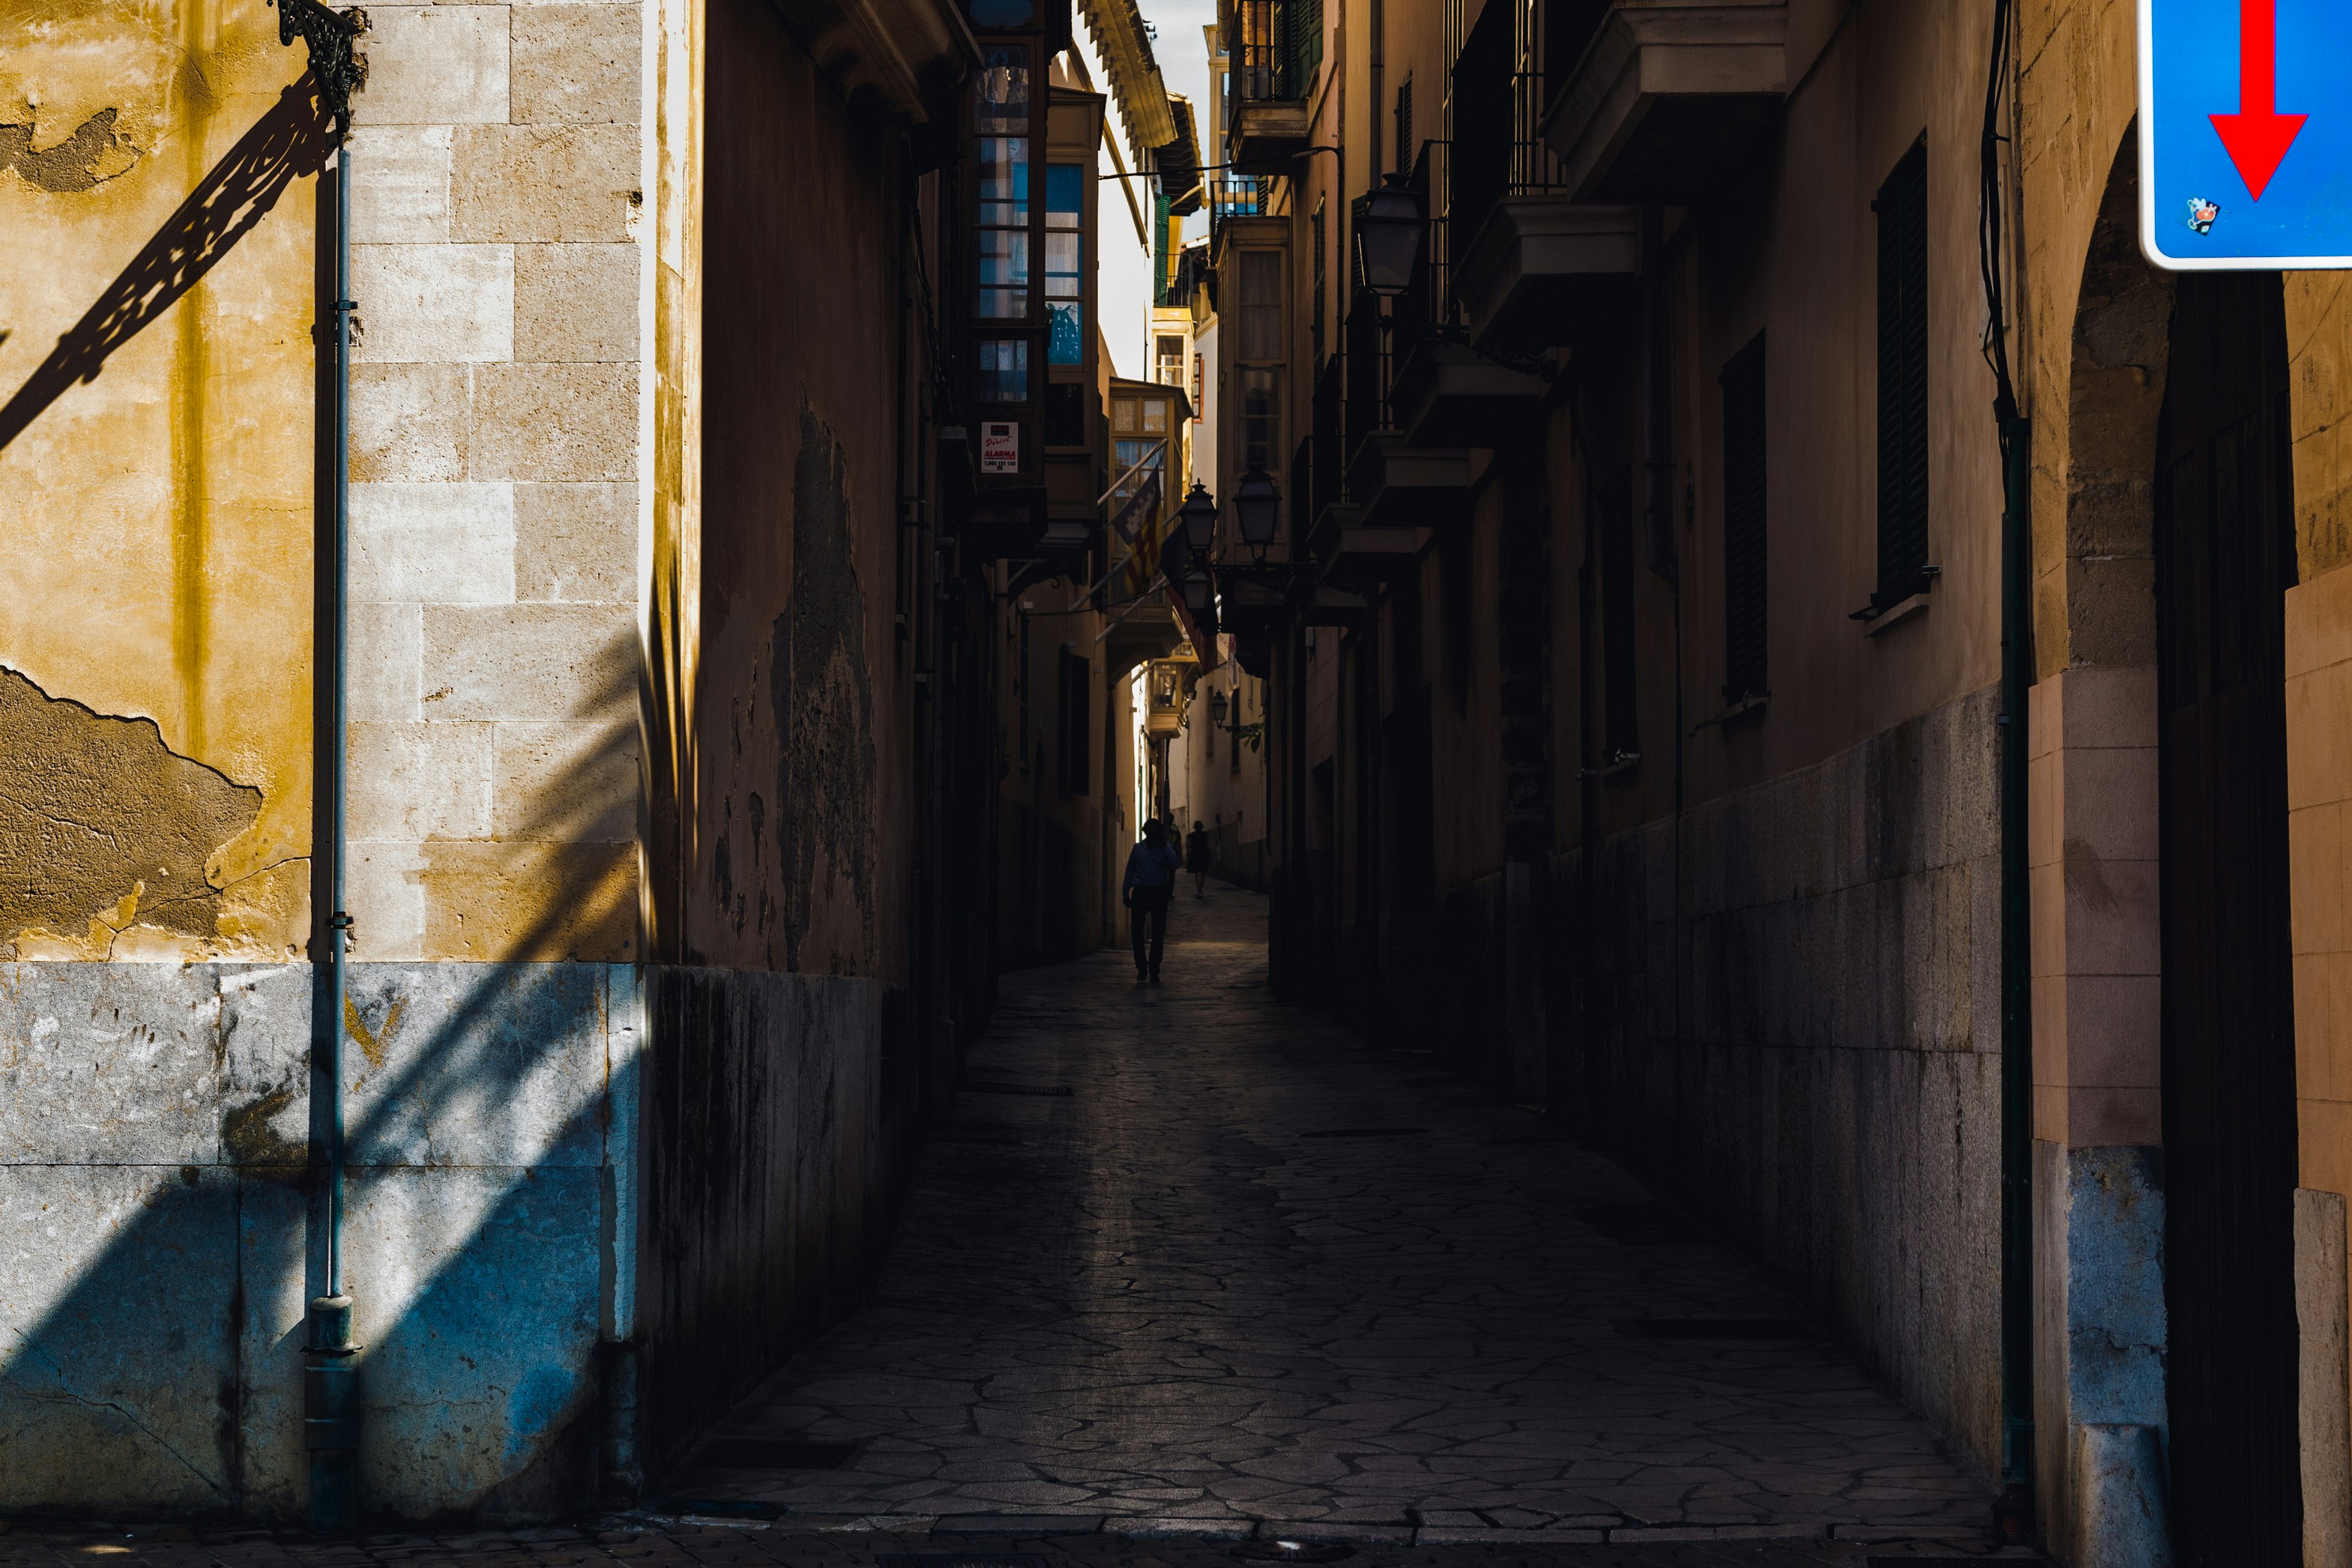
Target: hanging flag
x,y
1138,506
1137,523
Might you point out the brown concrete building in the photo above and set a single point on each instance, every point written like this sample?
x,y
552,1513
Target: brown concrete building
x,y
1635,633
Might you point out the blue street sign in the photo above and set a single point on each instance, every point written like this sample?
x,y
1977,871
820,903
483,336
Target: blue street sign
x,y
2245,133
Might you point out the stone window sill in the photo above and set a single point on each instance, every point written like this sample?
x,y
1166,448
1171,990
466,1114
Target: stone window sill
x,y
1893,614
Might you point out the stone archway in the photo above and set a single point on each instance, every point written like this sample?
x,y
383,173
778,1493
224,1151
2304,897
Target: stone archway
x,y
2120,1345
2100,1327
2121,352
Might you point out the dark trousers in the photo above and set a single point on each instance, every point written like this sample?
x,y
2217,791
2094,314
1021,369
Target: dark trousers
x,y
1150,908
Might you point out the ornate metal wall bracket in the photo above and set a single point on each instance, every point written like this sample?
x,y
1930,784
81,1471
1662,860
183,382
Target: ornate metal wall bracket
x,y
338,69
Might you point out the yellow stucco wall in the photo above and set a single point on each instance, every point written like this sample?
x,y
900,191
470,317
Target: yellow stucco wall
x,y
158,470
155,476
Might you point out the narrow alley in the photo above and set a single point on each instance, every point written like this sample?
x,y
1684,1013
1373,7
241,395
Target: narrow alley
x,y
1189,1259
1727,625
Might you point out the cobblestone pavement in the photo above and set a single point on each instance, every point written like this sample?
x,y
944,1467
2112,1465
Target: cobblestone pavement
x,y
1189,1260
1251,1279
645,1544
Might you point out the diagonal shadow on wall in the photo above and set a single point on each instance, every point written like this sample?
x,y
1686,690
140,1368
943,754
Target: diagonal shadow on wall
x,y
291,140
490,1103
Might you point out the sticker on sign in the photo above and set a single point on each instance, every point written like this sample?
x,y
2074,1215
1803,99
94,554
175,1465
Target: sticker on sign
x,y
2245,134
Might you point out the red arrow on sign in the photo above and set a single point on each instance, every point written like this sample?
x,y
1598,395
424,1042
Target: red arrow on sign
x,y
2258,135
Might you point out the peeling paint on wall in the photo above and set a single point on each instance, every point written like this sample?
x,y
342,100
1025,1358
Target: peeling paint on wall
x,y
159,381
823,710
94,153
111,844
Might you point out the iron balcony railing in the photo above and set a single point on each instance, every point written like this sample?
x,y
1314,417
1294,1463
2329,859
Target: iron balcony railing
x,y
1568,28
1499,95
1501,89
1427,302
1276,47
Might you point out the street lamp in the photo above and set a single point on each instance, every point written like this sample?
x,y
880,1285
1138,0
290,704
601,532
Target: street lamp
x,y
1388,229
1218,703
1258,507
1199,516
1200,599
1172,552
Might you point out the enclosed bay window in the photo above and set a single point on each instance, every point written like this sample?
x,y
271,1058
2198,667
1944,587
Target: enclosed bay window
x,y
1138,432
1258,353
1066,306
1260,309
1262,418
1001,111
1140,427
1003,369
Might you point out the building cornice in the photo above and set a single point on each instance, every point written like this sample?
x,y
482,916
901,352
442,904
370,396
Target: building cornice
x,y
1135,81
901,57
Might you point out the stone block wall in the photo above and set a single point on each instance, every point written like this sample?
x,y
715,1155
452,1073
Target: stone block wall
x,y
159,1239
497,424
1796,1030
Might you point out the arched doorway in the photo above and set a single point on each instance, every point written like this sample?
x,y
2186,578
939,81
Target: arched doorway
x,y
2224,556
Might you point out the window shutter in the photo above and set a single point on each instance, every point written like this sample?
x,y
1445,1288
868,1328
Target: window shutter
x,y
1744,523
1305,44
1616,520
1903,380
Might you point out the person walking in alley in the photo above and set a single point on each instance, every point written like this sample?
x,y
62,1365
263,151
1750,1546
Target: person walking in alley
x,y
1151,880
1196,859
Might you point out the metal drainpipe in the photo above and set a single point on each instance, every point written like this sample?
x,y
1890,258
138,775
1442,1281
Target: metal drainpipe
x,y
331,1408
2016,1506
2016,984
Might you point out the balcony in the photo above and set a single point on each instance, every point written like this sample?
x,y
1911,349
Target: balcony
x,y
1150,630
1529,266
1544,271
1277,48
1449,394
1402,487
1314,604
1354,556
1391,484
1664,92
1247,604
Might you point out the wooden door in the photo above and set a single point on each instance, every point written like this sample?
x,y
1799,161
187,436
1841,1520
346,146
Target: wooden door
x,y
2224,555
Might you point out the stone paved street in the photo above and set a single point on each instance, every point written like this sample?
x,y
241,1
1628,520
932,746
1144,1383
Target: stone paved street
x,y
1251,1279
1190,1260
644,1543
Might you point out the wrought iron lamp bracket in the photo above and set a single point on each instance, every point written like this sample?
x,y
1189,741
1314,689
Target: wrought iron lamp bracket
x,y
336,65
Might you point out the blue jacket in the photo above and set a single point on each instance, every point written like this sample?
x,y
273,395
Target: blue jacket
x,y
1150,866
